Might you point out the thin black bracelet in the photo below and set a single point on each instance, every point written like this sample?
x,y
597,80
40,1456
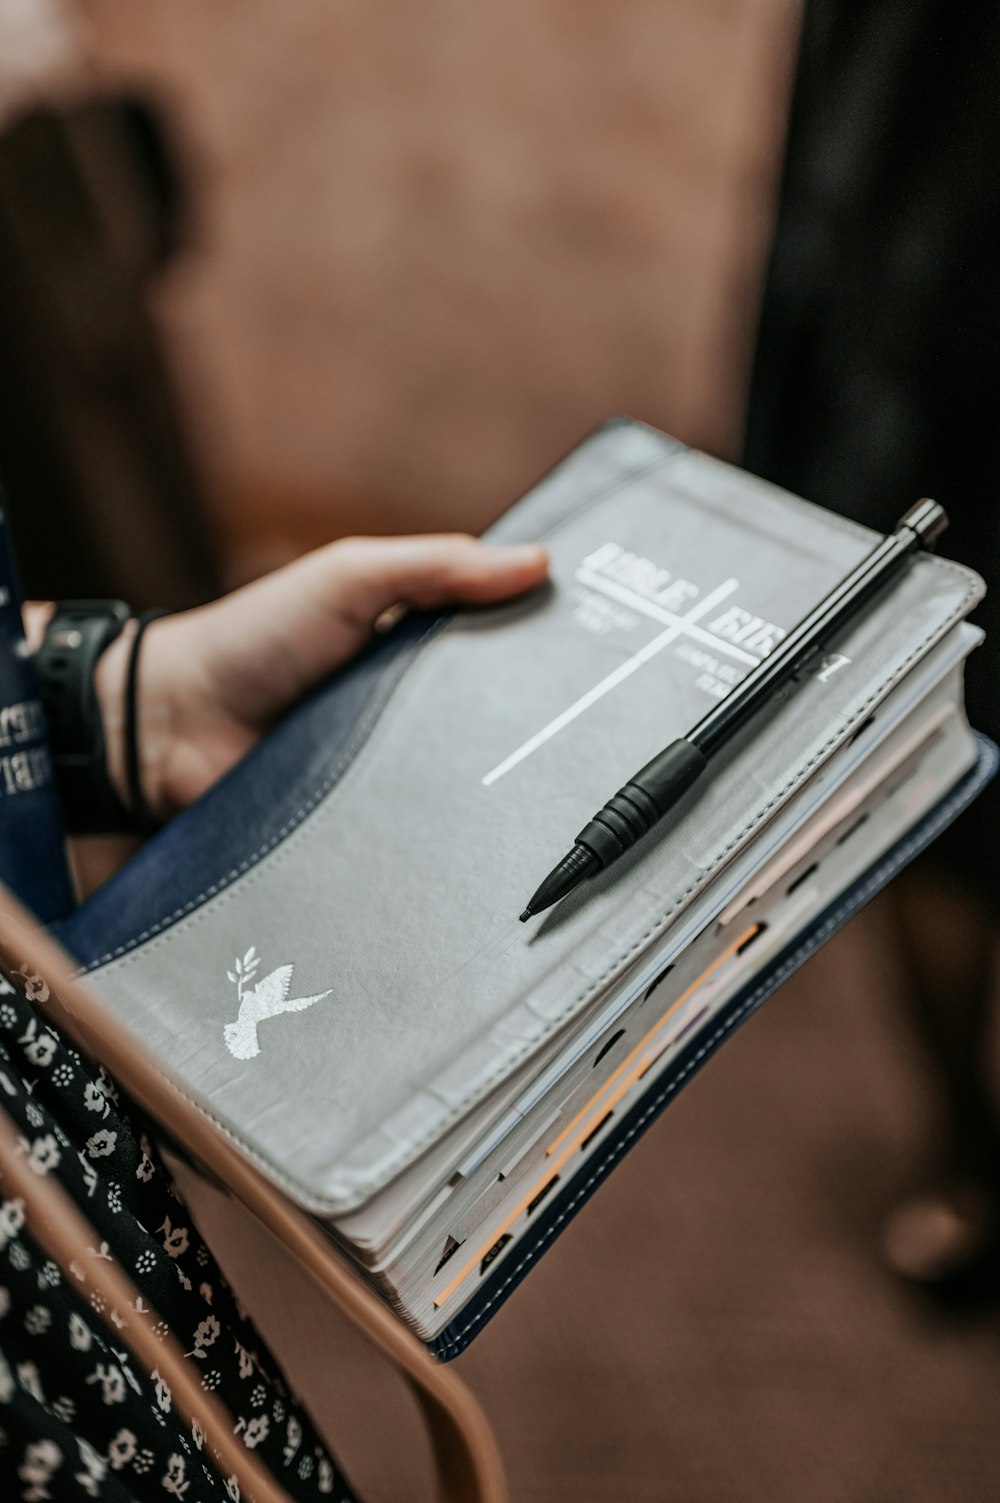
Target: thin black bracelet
x,y
143,819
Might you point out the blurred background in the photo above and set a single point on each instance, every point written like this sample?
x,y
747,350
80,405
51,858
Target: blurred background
x,y
383,266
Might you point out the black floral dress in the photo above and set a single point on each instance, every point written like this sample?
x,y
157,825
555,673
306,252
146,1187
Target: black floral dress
x,y
77,1419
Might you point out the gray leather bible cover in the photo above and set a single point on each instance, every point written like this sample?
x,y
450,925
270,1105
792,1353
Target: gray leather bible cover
x,y
340,987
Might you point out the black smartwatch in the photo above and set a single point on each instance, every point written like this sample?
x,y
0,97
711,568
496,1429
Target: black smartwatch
x,y
77,634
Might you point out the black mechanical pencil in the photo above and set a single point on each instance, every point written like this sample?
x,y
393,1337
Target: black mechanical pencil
x,y
648,796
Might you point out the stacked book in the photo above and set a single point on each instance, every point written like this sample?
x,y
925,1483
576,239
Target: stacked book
x,y
325,949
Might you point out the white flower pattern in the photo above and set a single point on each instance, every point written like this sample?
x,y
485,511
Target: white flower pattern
x,y
102,1143
94,1468
112,1381
257,1430
173,1478
61,1338
38,1320
44,1155
206,1332
27,1376
94,1098
80,1334
121,1450
18,1257
11,1219
41,1459
163,1395
175,1239
35,988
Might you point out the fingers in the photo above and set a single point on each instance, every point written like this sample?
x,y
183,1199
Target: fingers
x,y
271,641
367,575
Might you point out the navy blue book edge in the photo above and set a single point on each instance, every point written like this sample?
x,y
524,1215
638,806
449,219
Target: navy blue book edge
x,y
498,1287
144,929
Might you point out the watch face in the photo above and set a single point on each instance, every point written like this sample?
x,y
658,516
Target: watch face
x,y
64,639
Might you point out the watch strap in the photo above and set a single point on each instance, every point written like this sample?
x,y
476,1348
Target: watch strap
x,y
78,632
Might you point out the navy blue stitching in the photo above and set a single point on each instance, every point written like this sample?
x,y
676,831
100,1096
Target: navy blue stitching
x,y
353,747
408,1152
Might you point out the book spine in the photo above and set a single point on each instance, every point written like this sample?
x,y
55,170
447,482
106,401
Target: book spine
x,y
33,856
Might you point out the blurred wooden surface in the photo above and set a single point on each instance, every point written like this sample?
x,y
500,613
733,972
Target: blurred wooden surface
x,y
439,241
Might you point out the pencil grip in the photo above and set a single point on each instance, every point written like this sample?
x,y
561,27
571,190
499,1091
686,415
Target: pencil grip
x,y
644,799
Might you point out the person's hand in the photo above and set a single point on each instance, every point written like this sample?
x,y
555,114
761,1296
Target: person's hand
x,y
213,680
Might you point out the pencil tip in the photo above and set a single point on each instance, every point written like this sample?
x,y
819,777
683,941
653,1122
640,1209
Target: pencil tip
x,y
525,916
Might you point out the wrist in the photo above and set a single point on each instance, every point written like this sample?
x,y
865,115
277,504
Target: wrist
x,y
138,706
109,686
35,617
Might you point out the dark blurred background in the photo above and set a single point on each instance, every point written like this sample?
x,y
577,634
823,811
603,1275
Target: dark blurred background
x,y
416,252
431,245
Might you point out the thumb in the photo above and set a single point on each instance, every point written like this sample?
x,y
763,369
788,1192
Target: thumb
x,y
361,577
280,635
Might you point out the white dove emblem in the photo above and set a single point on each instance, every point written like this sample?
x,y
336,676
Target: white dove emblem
x,y
268,999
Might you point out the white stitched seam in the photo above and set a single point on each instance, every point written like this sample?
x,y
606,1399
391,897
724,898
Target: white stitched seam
x,y
953,806
883,874
357,740
408,1152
